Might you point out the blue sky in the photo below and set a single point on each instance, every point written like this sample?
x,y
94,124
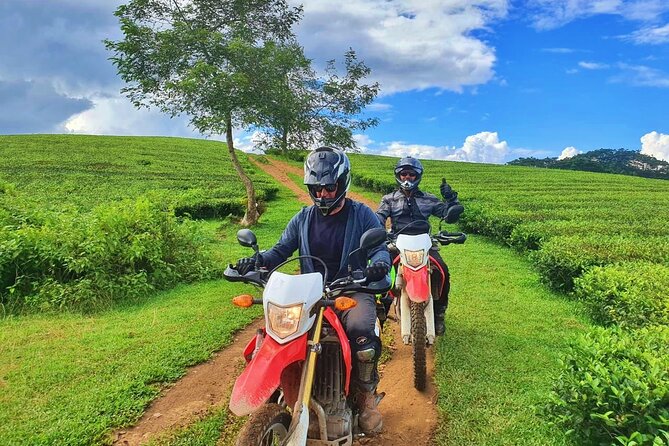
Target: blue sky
x,y
471,80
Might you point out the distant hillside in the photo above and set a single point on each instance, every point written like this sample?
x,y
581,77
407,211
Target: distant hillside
x,y
621,161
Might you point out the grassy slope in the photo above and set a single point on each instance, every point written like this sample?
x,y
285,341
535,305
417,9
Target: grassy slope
x,y
86,170
68,379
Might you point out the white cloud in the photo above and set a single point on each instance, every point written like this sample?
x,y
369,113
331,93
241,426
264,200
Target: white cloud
x,y
649,35
409,44
363,142
484,147
655,144
569,152
117,116
549,14
641,76
558,50
592,65
379,107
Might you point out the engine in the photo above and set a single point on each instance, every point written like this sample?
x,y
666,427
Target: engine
x,y
328,391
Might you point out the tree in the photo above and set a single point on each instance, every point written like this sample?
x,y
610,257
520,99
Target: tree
x,y
207,59
307,110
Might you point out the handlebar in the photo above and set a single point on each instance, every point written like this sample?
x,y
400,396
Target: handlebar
x,y
356,281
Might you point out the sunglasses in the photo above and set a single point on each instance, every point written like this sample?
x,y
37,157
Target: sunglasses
x,y
327,187
408,174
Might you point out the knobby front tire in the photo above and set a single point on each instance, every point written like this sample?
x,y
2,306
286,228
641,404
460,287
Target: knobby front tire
x,y
418,344
267,426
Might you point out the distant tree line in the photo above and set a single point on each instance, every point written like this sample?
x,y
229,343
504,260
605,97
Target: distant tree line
x,y
620,161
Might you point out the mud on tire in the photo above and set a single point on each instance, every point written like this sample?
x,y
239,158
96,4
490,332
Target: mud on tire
x,y
267,426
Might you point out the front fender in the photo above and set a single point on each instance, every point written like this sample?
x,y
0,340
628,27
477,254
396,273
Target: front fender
x,y
417,284
262,375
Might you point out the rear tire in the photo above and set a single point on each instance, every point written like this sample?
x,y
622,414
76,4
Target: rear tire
x,y
418,344
267,426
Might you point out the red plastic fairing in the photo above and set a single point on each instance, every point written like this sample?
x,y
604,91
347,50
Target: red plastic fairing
x,y
262,375
441,271
248,351
417,284
332,318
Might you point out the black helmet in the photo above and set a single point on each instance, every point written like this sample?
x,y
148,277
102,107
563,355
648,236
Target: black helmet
x,y
408,163
324,167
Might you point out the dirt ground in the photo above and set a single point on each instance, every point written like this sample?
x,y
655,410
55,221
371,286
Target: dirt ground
x,y
409,416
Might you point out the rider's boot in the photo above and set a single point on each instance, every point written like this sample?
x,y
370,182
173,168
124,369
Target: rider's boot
x,y
370,419
439,324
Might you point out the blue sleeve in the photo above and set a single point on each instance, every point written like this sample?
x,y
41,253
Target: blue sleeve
x,y
287,244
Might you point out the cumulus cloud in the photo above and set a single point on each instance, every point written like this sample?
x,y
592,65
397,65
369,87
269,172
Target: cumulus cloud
x,y
35,107
117,116
550,14
409,44
484,147
569,152
655,144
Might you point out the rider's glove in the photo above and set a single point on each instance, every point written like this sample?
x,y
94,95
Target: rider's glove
x,y
376,271
246,264
447,193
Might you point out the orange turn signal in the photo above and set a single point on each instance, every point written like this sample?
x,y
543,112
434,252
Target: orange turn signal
x,y
243,300
344,303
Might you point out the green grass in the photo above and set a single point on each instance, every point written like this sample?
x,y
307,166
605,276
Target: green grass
x,y
505,335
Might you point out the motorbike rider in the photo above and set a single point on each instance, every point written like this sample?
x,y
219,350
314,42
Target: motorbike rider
x,y
408,203
330,230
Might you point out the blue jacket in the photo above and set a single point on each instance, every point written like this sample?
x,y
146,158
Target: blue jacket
x,y
296,236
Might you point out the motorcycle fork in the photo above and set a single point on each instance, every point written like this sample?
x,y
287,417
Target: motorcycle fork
x,y
307,381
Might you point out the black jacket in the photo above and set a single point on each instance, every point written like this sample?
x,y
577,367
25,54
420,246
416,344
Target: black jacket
x,y
402,210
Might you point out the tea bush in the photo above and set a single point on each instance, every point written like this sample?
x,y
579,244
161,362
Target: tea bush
x,y
615,388
55,260
562,259
631,294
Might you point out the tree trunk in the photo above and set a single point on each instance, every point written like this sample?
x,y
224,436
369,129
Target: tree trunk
x,y
284,141
251,215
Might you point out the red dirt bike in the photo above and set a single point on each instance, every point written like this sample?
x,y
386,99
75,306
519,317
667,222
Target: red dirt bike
x,y
296,384
413,291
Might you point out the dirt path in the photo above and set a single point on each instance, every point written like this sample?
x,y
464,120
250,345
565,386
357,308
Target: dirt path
x,y
410,417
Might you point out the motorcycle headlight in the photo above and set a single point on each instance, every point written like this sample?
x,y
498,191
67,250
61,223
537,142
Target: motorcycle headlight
x,y
284,321
414,258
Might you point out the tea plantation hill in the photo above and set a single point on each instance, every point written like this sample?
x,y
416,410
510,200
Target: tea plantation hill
x,y
89,223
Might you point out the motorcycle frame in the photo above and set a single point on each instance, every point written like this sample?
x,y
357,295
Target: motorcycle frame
x,y
416,285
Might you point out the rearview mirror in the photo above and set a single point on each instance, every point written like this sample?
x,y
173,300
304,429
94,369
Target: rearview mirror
x,y
372,237
453,213
247,238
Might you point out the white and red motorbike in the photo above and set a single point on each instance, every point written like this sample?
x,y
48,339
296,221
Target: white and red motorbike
x,y
296,384
413,290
